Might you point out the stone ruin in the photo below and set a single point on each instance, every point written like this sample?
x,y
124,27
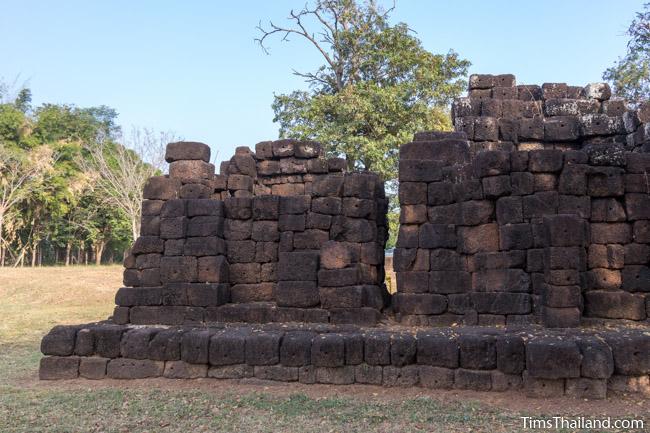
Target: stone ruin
x,y
282,235
522,259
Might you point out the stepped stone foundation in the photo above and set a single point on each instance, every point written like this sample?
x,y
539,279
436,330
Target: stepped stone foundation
x,y
521,261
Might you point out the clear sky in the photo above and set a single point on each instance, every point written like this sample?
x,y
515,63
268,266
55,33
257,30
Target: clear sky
x,y
192,67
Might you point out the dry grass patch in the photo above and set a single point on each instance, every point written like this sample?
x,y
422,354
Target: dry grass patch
x,y
36,299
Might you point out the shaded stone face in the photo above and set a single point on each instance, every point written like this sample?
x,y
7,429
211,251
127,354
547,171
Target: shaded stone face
x,y
281,226
539,192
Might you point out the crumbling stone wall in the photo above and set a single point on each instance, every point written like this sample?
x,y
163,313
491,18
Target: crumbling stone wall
x,y
282,234
535,210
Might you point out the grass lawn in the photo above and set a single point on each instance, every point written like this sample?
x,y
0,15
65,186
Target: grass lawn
x,y
33,300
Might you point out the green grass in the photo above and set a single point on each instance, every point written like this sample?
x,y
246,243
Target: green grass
x,y
34,300
118,410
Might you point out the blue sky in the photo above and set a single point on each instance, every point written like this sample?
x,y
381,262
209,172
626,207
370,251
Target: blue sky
x,y
192,67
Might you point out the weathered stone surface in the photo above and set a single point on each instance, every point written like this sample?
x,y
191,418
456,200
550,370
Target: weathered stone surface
x,y
553,359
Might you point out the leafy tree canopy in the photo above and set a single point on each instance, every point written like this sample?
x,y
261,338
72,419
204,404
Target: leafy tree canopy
x,y
630,76
376,87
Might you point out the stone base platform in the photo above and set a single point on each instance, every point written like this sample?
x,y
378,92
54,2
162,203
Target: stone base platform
x,y
581,363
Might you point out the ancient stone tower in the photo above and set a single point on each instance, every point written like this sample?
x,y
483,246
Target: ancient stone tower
x,y
521,260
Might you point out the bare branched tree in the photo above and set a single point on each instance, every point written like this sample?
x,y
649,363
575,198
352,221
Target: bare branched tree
x,y
120,170
19,176
340,23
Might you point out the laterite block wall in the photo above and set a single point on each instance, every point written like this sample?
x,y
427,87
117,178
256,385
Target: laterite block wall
x,y
536,210
282,234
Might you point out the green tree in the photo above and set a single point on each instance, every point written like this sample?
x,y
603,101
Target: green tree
x,y
630,75
376,87
50,203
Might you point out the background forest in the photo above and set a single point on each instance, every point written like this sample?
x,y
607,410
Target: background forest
x,y
70,181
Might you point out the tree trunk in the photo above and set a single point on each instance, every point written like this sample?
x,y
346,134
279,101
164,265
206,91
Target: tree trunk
x,y
2,244
99,249
85,257
34,248
68,249
135,229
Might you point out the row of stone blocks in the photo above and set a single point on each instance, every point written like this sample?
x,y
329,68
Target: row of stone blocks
x,y
545,364
360,305
497,115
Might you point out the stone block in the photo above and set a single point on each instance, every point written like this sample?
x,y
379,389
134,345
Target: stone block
x,y
506,382
276,372
165,345
477,239
295,349
184,370
509,210
298,266
637,206
213,269
191,169
597,358
515,236
60,341
542,388
521,183
501,303
540,204
406,376
546,160
93,367
368,374
562,296
436,377
302,294
437,350
511,354
263,348
187,150
477,352
377,348
412,193
335,375
584,388
161,188
501,280
265,231
606,182
472,379
135,343
58,367
124,368
561,128
403,349
553,359
227,348
445,282
328,350
238,371
635,278
194,346
327,205
486,129
406,303
561,317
